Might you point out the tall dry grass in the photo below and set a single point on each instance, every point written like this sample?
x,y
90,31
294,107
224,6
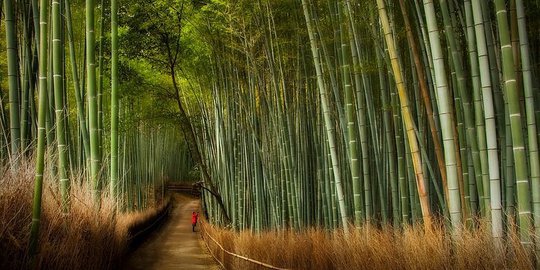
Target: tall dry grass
x,y
84,239
368,248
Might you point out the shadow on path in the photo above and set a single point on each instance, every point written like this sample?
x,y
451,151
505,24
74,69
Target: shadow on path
x,y
174,245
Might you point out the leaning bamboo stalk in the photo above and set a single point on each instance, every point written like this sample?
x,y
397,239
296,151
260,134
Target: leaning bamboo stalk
x,y
328,122
424,90
406,113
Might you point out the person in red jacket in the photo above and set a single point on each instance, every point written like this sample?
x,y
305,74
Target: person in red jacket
x,y
194,218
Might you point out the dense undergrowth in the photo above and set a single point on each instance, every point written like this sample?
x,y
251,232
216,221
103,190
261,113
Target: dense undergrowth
x,y
84,239
368,248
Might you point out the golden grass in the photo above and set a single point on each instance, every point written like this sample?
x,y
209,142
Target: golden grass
x,y
84,239
369,248
90,239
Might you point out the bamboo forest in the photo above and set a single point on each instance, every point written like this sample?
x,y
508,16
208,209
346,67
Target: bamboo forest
x,y
289,134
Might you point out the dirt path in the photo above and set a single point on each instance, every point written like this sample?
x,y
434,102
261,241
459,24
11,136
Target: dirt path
x,y
174,245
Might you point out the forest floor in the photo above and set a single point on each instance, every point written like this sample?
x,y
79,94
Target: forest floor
x,y
174,245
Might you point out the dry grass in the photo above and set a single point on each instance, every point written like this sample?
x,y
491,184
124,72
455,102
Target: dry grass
x,y
84,239
88,239
369,248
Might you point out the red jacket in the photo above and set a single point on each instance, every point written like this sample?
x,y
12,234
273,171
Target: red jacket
x,y
194,218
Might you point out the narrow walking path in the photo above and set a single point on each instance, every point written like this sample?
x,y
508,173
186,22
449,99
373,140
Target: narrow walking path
x,y
174,245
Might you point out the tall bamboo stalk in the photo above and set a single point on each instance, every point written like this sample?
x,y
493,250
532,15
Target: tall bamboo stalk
x,y
446,118
13,77
81,115
95,158
351,123
58,52
100,78
532,128
41,140
512,94
114,98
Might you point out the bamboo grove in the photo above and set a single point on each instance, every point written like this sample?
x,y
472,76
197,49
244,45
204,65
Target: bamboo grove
x,y
339,114
59,93
295,113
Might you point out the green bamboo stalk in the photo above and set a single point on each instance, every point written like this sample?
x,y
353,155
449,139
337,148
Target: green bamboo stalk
x,y
362,126
494,69
478,157
13,78
95,158
81,115
114,98
351,123
4,143
532,139
512,94
464,108
489,166
389,134
58,48
510,180
50,125
40,154
100,78
28,84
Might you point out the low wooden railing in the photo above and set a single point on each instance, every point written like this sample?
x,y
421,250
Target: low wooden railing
x,y
137,233
209,240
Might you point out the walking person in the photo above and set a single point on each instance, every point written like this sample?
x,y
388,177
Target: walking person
x,y
194,219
